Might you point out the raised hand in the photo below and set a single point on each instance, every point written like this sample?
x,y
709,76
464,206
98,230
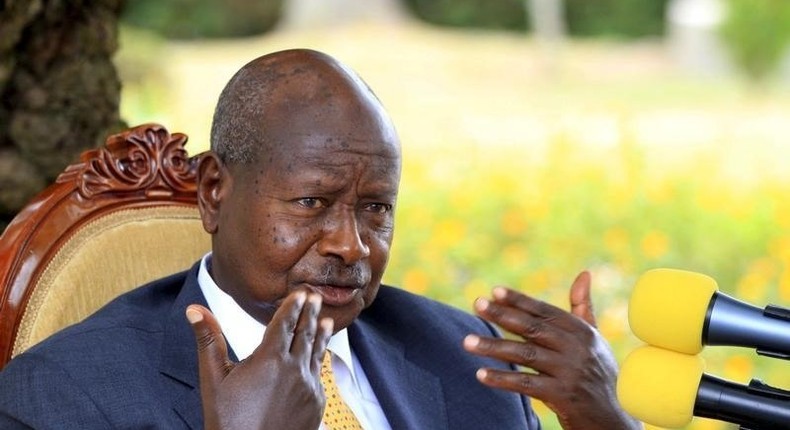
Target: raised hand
x,y
278,386
573,369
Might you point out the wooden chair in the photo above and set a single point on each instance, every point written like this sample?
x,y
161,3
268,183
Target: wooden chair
x,y
125,215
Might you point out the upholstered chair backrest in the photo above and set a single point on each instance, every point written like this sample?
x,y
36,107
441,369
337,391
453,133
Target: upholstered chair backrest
x,y
127,214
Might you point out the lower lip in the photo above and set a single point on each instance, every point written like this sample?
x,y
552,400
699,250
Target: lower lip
x,y
336,296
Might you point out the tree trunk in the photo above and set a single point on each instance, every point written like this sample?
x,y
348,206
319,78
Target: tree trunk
x,y
59,90
547,19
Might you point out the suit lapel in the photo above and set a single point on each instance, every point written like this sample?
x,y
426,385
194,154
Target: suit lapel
x,y
410,396
179,352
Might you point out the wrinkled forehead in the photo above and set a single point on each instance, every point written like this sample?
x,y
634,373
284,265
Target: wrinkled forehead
x,y
336,154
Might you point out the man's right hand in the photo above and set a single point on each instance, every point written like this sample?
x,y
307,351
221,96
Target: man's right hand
x,y
278,386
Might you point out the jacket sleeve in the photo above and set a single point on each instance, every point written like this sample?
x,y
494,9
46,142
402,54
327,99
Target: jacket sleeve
x,y
36,393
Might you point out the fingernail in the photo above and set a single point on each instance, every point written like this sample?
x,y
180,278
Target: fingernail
x,y
301,296
481,304
194,316
314,299
471,341
481,374
499,293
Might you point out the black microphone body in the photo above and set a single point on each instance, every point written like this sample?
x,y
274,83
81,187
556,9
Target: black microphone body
x,y
732,322
752,407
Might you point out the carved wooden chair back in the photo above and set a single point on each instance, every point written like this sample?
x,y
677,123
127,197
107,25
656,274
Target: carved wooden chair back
x,y
125,215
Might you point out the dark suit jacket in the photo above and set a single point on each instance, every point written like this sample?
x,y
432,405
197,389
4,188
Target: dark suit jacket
x,y
133,365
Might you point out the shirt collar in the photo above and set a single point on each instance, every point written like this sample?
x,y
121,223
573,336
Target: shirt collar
x,y
243,332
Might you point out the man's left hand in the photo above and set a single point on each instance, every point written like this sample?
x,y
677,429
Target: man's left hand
x,y
574,369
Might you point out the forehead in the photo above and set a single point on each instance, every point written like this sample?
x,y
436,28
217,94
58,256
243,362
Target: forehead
x,y
338,130
312,153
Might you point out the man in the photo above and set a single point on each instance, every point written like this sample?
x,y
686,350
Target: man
x,y
298,193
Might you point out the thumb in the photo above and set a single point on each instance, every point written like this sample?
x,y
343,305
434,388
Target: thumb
x,y
213,360
581,302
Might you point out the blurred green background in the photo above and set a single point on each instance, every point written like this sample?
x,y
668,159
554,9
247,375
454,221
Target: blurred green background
x,y
618,137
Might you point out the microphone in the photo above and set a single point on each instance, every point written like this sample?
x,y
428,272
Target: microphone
x,y
667,389
682,311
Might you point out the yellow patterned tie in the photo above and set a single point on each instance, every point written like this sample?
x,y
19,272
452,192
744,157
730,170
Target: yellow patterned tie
x,y
337,414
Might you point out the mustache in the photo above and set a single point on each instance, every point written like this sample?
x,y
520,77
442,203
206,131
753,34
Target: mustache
x,y
349,276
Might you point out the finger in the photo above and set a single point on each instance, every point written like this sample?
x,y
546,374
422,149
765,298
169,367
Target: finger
x,y
325,330
553,332
305,331
529,355
538,308
280,330
581,301
213,361
531,384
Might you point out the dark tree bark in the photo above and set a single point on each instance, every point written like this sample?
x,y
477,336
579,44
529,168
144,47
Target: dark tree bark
x,y
59,90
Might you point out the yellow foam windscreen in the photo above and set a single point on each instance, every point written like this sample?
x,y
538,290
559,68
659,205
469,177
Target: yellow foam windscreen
x,y
667,308
659,387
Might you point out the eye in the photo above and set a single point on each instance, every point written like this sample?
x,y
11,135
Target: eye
x,y
310,202
379,208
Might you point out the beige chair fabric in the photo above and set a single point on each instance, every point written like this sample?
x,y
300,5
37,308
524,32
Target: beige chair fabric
x,y
107,257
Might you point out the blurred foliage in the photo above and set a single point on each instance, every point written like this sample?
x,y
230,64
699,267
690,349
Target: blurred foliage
x,y
194,19
188,19
757,33
619,18
500,14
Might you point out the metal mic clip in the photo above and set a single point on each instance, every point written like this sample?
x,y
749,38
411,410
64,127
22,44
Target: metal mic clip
x,y
780,313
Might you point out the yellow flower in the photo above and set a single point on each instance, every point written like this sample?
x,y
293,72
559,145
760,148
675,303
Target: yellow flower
x,y
448,233
616,240
515,255
753,286
613,322
738,367
416,281
780,249
782,212
476,288
514,222
655,244
535,282
704,424
784,287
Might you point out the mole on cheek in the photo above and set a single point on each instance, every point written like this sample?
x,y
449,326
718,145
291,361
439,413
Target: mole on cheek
x,y
275,237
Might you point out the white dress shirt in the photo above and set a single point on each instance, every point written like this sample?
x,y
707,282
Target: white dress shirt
x,y
244,334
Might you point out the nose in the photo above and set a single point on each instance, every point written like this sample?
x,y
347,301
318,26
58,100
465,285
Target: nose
x,y
341,238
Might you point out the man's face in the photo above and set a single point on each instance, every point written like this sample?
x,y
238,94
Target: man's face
x,y
315,212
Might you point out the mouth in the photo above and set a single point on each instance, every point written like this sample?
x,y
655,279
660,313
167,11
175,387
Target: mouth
x,y
335,295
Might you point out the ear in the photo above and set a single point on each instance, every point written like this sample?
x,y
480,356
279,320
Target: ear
x,y
213,184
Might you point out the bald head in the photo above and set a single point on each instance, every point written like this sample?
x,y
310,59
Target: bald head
x,y
284,94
